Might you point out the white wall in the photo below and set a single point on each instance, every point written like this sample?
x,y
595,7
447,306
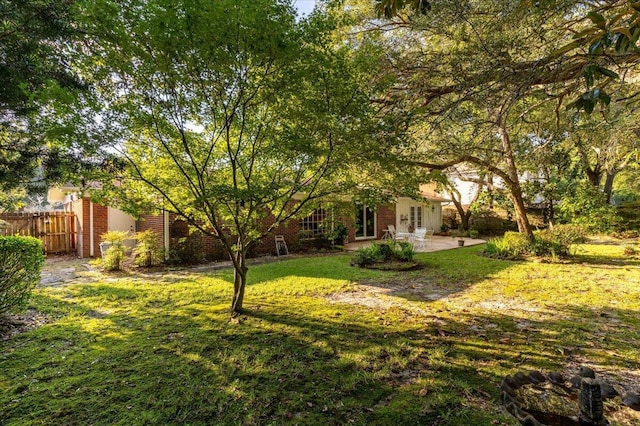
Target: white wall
x,y
118,220
431,218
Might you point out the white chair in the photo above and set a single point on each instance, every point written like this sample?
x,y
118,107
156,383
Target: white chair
x,y
389,233
421,237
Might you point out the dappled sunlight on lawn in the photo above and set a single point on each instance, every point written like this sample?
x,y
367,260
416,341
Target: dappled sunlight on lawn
x,y
320,342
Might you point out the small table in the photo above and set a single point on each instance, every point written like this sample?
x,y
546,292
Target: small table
x,y
406,236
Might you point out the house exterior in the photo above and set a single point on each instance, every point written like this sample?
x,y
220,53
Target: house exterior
x,y
367,223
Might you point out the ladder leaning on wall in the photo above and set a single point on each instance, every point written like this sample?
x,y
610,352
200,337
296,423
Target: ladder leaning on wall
x,y
281,246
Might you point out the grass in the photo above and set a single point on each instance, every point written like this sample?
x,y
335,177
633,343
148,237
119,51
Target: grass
x,y
315,347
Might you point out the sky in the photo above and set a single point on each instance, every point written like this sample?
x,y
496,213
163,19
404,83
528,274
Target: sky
x,y
304,6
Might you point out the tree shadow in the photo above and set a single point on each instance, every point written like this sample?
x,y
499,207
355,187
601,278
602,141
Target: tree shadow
x,y
168,361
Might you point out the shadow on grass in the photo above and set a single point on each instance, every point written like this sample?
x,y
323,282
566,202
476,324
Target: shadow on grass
x,y
289,360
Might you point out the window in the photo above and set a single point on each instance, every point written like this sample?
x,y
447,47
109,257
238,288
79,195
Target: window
x,y
419,218
313,225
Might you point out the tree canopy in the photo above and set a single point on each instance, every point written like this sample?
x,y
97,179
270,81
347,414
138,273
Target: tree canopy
x,y
235,130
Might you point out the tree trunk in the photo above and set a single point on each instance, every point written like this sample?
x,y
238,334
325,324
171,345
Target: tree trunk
x,y
239,281
515,190
464,215
521,211
608,186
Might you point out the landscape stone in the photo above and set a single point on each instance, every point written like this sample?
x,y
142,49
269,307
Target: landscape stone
x,y
521,379
556,378
575,381
608,391
632,400
536,377
587,372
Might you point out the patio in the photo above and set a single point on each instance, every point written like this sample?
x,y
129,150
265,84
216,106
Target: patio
x,y
437,243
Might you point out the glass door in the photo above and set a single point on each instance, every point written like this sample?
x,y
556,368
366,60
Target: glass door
x,y
365,222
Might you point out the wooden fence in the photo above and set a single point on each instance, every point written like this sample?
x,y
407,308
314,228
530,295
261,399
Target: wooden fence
x,y
57,230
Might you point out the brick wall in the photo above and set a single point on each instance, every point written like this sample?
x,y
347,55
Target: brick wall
x,y
154,223
86,230
100,226
386,215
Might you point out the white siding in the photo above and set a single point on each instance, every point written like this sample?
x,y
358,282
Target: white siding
x,y
431,214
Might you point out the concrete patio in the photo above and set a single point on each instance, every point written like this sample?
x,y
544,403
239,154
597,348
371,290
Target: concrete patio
x,y
437,243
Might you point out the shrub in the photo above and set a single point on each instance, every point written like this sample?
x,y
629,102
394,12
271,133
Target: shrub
x,y
113,256
557,241
487,222
368,255
511,246
188,250
21,260
148,251
588,206
376,253
338,234
404,251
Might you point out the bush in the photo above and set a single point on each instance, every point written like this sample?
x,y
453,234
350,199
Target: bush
x,y
377,253
368,255
557,241
587,206
148,251
487,222
113,256
511,246
188,250
404,251
338,234
554,242
21,260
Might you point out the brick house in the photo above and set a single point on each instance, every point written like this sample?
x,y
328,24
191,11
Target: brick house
x,y
368,223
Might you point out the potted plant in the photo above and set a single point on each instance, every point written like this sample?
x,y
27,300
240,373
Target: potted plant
x,y
460,236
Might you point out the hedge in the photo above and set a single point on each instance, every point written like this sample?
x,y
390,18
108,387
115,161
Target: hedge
x,y
21,260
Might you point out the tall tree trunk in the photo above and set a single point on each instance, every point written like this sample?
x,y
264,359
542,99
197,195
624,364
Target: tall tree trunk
x,y
239,281
608,186
456,198
515,190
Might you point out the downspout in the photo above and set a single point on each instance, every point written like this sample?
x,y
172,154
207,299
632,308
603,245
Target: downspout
x,y
165,228
91,251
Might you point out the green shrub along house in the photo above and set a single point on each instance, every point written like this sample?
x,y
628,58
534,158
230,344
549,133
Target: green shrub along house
x,y
184,245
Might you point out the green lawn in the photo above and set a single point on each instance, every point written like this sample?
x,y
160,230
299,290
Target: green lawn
x,y
321,342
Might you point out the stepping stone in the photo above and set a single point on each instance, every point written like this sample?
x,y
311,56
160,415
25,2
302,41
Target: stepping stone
x,y
587,372
556,378
536,377
632,400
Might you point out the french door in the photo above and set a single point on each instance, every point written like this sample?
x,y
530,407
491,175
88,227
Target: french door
x,y
365,222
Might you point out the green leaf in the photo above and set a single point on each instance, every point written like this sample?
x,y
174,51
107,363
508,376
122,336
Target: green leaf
x,y
596,48
588,75
588,106
597,19
607,72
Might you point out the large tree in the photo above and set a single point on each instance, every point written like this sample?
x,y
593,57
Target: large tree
x,y
471,73
231,113
36,87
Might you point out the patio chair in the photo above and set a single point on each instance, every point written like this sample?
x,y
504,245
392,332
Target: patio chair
x,y
419,238
389,233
